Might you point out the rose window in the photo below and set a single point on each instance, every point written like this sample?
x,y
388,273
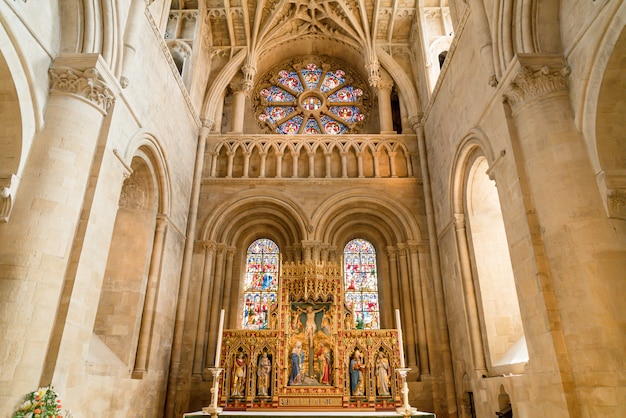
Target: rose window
x,y
311,100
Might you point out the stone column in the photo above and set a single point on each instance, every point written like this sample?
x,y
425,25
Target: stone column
x,y
392,163
311,156
202,331
580,257
239,107
359,161
393,274
228,282
218,278
376,155
246,164
327,156
418,303
471,307
407,306
229,169
35,243
185,275
294,164
263,156
279,164
344,164
383,89
149,305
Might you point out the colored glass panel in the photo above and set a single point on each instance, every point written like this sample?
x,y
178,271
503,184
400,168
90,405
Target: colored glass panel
x,y
348,113
290,80
260,283
276,94
311,75
345,95
311,127
331,126
361,283
291,127
276,113
332,80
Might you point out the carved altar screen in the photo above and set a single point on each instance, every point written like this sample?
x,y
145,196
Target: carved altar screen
x,y
310,355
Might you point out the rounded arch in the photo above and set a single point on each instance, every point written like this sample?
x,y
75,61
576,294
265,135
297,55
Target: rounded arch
x,y
247,209
602,110
474,142
366,207
404,84
146,145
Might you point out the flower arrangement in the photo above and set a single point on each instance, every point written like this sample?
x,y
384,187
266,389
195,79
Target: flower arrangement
x,y
42,403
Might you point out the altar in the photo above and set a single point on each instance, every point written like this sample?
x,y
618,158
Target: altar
x,y
312,358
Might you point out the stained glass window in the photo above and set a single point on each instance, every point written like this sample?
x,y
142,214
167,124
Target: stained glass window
x,y
361,283
260,283
311,100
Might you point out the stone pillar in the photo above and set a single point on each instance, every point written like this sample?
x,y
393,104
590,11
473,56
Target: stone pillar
x,y
294,164
376,155
471,307
392,163
202,331
311,156
35,244
279,164
185,275
383,89
228,282
415,280
246,164
229,169
393,274
213,164
263,156
218,278
344,164
407,306
327,156
149,305
239,107
580,258
359,161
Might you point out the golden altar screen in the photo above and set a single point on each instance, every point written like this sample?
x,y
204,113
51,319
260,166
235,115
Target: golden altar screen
x,y
311,356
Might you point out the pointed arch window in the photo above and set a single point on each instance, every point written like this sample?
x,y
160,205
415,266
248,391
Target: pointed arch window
x,y
361,283
260,283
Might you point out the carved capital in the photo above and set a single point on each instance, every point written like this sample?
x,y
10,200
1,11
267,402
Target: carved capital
x,y
616,203
530,83
249,71
88,84
459,221
392,252
373,75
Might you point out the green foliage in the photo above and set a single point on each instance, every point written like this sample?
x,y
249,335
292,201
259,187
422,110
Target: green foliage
x,y
42,403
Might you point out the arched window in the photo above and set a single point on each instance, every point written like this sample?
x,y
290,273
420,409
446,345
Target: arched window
x,y
497,292
260,283
361,283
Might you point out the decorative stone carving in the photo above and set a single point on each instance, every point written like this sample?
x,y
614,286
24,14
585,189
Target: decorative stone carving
x,y
530,83
616,203
87,84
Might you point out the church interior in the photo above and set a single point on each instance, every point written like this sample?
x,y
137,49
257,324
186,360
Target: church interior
x,y
328,205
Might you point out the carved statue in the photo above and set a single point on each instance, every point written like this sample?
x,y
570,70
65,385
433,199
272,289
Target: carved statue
x,y
382,374
297,360
356,373
263,375
239,375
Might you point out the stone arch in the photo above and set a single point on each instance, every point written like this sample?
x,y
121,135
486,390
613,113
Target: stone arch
x,y
404,85
602,113
132,272
538,30
488,282
247,208
20,117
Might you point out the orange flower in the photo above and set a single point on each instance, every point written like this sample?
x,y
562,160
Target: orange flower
x,y
38,411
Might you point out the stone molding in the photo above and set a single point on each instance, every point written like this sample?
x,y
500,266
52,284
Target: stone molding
x,y
616,203
8,188
536,77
